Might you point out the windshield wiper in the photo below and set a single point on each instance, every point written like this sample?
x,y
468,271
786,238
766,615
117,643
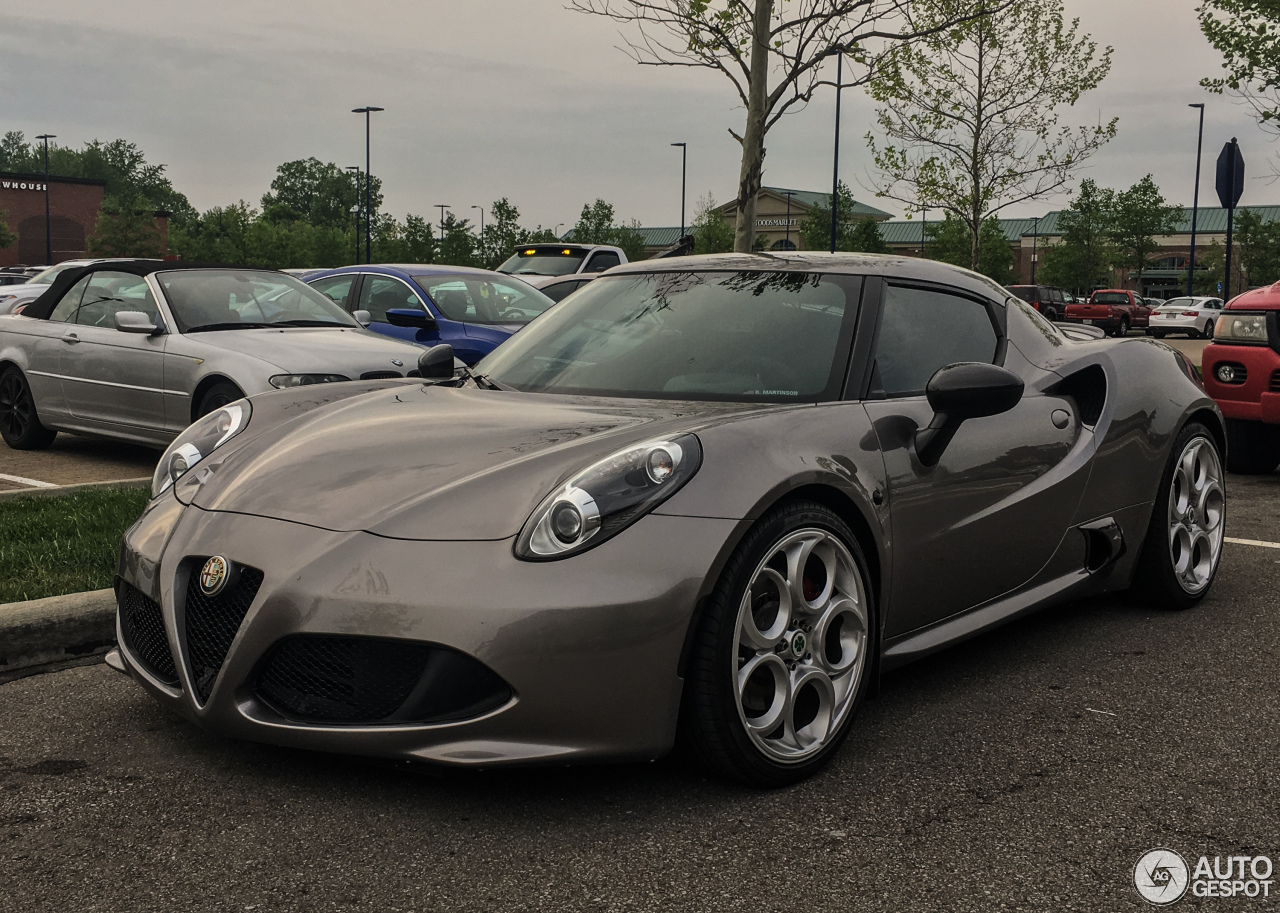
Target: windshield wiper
x,y
229,326
307,323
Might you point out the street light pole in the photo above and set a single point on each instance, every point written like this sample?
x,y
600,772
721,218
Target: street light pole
x,y
48,230
481,208
368,210
789,193
1035,242
1195,205
684,164
835,167
924,222
355,210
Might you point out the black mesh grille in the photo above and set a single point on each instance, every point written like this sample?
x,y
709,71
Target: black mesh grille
x,y
318,678
142,624
212,621
380,375
1275,382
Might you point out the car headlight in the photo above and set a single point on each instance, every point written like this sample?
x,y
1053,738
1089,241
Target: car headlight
x,y
607,497
280,381
201,439
1241,328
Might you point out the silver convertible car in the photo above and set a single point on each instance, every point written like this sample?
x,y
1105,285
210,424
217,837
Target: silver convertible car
x,y
710,498
138,349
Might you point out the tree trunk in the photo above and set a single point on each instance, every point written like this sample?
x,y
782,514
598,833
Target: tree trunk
x,y
744,233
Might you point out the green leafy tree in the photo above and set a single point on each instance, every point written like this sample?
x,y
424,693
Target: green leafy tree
x,y
596,226
970,115
1138,216
852,234
503,234
1247,35
949,242
1258,250
711,233
1081,260
321,193
7,237
126,232
458,246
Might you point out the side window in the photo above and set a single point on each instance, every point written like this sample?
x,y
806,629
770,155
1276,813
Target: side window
x,y
560,290
65,310
336,288
108,293
604,260
383,293
1055,295
922,331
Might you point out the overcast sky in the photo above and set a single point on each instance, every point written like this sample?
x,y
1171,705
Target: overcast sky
x,y
517,98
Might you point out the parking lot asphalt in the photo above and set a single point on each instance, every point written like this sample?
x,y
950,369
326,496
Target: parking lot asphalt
x,y
73,459
1027,769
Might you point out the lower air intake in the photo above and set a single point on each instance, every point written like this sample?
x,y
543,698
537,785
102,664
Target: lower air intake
x,y
380,375
212,622
364,680
142,626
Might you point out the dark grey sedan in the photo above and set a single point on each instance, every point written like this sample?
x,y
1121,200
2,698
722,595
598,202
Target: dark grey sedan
x,y
709,499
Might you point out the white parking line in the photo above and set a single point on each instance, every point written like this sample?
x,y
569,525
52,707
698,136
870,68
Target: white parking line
x,y
1257,542
30,483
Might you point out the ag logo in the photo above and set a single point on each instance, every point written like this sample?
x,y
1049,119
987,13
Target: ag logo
x,y
1161,877
213,576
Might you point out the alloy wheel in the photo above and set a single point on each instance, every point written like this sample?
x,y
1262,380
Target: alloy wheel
x,y
15,406
1196,514
800,644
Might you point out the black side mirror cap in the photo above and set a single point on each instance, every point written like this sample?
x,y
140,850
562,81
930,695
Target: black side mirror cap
x,y
411,317
436,363
961,392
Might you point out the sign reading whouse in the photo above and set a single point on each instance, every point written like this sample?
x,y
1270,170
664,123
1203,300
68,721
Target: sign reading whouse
x,y
74,204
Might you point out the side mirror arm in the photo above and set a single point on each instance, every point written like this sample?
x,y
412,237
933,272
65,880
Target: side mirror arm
x,y
932,442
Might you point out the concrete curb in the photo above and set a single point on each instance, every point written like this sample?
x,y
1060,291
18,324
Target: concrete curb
x,y
57,631
72,489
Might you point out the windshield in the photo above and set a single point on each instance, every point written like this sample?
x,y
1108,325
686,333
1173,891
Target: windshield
x,y
234,299
1109,298
730,336
480,299
46,276
1174,304
541,261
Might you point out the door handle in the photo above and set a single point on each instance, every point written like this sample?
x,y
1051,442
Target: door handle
x,y
70,338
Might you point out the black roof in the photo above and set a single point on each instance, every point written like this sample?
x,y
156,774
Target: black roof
x,y
42,307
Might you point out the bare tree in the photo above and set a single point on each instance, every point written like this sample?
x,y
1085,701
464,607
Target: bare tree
x,y
755,42
970,111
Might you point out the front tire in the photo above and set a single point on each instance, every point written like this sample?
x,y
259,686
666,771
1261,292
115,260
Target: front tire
x,y
1208,330
218,396
1183,548
1253,448
1156,334
783,653
19,422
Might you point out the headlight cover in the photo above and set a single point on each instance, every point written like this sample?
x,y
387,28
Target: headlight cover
x,y
281,381
201,439
1246,328
607,497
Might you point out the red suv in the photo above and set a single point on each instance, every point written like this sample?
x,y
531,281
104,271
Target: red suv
x,y
1112,309
1242,373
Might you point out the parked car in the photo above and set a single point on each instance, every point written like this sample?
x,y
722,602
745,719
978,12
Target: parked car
x,y
539,264
12,277
1241,369
473,310
1047,299
1116,310
14,299
138,349
1194,316
559,289
669,499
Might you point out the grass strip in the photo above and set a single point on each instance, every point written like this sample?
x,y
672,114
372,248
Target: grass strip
x,y
50,546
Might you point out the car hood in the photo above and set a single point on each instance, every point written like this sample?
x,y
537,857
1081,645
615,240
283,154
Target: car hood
x,y
413,461
317,350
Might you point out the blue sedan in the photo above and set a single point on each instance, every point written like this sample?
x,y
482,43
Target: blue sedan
x,y
472,310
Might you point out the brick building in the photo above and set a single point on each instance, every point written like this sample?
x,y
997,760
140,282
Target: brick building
x,y
74,205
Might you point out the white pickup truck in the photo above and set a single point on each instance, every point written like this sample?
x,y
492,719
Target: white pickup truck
x,y
539,264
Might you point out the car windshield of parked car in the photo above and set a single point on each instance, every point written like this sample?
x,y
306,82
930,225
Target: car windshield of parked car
x,y
232,299
1110,298
748,336
1177,304
47,275
540,261
482,299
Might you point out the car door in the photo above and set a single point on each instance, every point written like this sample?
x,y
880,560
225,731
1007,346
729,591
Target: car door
x,y
379,294
109,375
988,516
44,351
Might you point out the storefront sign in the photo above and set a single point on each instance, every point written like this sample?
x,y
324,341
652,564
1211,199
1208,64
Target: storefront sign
x,y
776,223
21,185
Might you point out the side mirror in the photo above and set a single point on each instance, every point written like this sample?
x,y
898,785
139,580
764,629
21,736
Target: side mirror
x,y
958,393
411,317
436,363
135,322
363,317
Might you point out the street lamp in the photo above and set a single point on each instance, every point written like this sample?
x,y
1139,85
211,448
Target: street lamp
x,y
556,231
790,194
368,210
1035,241
48,233
481,208
1195,206
924,222
355,210
835,167
442,207
684,162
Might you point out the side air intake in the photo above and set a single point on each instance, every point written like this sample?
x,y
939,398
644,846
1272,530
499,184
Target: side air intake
x,y
1088,387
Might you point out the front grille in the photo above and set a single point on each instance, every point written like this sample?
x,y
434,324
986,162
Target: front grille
x,y
142,624
362,680
211,622
380,375
1275,382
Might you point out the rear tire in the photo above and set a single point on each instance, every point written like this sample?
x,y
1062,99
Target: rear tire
x,y
1253,448
1183,547
218,396
765,702
1208,330
1156,334
19,422
1122,330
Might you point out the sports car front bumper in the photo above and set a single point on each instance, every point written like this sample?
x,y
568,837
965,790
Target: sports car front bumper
x,y
589,646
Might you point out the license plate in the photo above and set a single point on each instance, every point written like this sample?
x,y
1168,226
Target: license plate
x,y
1092,322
